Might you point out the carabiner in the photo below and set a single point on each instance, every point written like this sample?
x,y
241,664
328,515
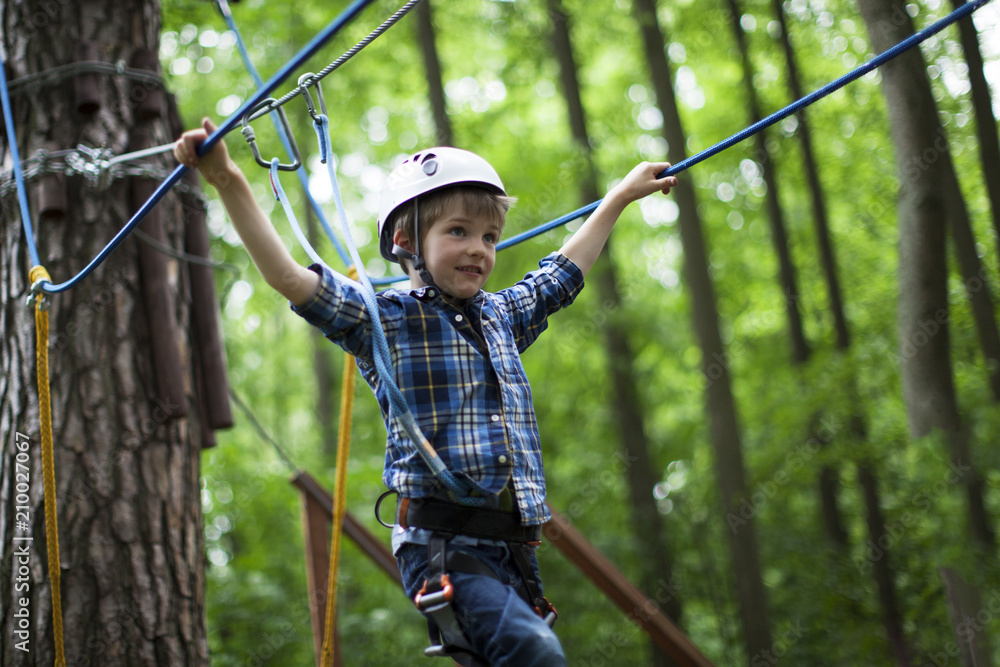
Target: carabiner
x,y
305,82
251,137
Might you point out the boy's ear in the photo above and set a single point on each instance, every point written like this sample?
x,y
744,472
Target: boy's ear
x,y
401,238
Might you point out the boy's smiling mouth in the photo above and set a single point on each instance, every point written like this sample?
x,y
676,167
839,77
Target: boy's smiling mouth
x,y
471,269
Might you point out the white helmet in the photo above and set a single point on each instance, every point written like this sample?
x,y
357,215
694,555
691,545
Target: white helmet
x,y
428,170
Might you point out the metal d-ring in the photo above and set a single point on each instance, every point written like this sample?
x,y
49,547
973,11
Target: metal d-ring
x,y
251,137
378,505
306,81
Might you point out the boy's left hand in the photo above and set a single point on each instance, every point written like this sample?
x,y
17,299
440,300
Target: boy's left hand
x,y
643,181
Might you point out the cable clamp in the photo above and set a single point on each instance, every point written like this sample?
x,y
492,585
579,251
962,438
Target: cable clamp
x,y
38,276
94,164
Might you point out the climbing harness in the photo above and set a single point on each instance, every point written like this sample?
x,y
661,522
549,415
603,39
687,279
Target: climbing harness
x,y
435,598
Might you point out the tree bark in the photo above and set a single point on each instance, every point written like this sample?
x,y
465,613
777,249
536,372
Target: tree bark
x,y
647,526
720,404
126,456
923,208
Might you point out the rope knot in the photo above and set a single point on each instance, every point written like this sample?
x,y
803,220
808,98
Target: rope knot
x,y
38,275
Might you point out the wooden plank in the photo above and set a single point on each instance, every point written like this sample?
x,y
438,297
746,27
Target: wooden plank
x,y
646,612
375,548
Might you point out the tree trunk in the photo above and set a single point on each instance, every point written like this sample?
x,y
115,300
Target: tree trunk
x,y
965,607
647,527
126,453
435,87
829,484
878,560
721,407
779,234
928,384
820,218
986,122
882,572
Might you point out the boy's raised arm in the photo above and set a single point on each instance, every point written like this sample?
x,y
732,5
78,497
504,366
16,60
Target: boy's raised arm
x,y
295,282
585,245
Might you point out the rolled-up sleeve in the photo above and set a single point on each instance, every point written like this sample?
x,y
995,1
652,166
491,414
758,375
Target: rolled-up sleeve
x,y
529,302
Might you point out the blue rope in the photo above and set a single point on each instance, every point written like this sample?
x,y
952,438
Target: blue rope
x,y
349,14
279,194
22,196
304,54
303,178
877,61
458,488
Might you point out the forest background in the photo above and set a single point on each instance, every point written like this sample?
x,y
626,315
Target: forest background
x,y
502,85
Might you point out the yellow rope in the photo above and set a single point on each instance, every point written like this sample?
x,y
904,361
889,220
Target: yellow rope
x,y
340,500
48,465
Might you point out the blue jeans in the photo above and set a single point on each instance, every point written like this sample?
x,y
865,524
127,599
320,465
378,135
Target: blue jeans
x,y
499,624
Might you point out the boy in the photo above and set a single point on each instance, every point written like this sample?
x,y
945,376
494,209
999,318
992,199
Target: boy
x,y
455,351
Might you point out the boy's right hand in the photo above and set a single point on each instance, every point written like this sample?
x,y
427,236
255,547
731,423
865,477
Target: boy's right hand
x,y
215,167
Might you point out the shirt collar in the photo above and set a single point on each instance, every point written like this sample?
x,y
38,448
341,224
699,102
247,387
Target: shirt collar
x,y
431,293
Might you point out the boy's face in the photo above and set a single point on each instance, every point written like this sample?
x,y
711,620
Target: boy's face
x,y
459,250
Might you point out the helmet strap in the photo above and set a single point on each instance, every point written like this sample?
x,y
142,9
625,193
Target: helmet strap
x,y
415,258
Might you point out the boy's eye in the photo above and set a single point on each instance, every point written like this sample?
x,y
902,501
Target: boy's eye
x,y
490,238
457,231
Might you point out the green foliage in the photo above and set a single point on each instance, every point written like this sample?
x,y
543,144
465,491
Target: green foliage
x,y
504,100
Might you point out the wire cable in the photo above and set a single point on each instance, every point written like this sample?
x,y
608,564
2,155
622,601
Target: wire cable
x,y
227,126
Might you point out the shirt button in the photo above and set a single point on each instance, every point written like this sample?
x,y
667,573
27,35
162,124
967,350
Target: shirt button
x,y
502,459
495,418
458,318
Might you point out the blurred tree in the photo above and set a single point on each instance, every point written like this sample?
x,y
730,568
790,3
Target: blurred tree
x,y
986,121
648,535
765,160
928,201
720,405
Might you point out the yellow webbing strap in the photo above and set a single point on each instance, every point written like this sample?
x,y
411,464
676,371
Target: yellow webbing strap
x,y
48,465
339,500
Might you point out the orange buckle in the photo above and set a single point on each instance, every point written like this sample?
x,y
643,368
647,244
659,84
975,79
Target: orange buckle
x,y
423,599
549,615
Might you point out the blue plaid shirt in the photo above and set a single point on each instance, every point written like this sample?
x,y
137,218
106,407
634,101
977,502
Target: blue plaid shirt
x,y
460,371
